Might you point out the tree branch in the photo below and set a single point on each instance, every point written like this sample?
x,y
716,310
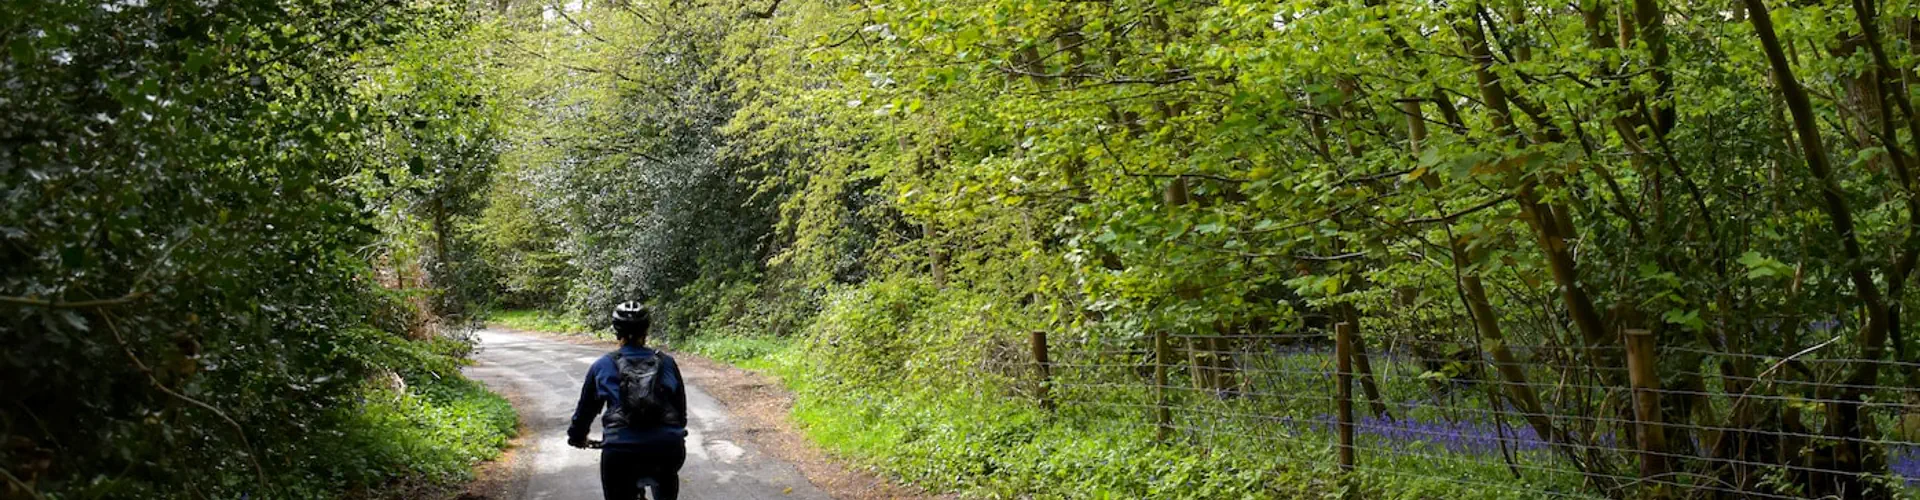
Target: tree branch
x,y
21,484
83,304
353,23
1375,177
1330,258
1463,213
1176,176
1124,80
562,11
240,431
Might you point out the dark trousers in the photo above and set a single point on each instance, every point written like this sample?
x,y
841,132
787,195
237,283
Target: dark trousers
x,y
624,471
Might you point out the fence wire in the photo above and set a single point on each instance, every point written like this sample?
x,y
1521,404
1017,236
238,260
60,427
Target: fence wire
x,y
1640,417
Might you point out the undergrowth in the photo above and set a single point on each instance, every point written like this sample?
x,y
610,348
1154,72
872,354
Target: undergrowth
x,y
947,417
982,447
539,321
912,381
414,434
958,435
748,351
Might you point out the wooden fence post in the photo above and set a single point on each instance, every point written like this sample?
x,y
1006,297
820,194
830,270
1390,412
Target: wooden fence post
x,y
1043,369
1162,414
1343,377
1644,374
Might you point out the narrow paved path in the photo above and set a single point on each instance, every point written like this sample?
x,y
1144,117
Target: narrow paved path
x,y
543,376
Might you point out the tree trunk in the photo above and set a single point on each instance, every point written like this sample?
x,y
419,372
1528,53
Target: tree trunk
x,y
1362,366
1850,454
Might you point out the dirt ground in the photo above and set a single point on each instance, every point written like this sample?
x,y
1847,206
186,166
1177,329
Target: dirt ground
x,y
760,405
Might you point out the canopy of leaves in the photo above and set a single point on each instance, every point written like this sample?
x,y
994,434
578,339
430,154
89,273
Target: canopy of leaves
x,y
1493,182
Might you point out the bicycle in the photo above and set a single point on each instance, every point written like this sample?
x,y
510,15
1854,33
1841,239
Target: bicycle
x,y
646,485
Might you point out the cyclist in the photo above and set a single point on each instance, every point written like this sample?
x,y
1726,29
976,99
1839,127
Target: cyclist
x,y
644,427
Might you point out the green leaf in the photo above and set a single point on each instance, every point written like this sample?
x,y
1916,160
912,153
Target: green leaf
x,y
1689,318
1760,266
196,59
74,319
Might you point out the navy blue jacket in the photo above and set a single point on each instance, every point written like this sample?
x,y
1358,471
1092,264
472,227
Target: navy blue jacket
x,y
602,391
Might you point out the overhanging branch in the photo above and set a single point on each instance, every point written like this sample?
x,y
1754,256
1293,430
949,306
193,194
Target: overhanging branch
x,y
82,304
1463,213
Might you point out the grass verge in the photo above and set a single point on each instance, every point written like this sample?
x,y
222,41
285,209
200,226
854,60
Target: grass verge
x,y
539,321
753,352
980,440
417,434
984,447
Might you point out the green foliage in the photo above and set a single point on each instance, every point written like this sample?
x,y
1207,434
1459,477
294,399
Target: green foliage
x,y
430,155
751,351
620,163
912,187
905,330
947,433
539,321
736,304
1003,451
222,181
425,427
521,246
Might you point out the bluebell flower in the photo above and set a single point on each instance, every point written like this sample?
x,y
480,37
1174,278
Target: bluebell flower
x,y
1905,462
1452,436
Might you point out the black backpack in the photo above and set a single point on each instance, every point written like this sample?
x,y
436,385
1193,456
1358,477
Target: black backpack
x,y
645,400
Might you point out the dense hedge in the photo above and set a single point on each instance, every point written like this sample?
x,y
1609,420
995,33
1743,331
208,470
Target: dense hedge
x,y
188,291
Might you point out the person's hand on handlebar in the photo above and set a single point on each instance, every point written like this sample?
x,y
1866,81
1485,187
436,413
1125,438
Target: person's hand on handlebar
x,y
584,443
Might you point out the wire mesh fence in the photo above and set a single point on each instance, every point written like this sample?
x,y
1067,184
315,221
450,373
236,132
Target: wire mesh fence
x,y
1641,416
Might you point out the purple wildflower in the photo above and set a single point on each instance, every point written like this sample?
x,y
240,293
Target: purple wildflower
x,y
1452,436
1905,462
